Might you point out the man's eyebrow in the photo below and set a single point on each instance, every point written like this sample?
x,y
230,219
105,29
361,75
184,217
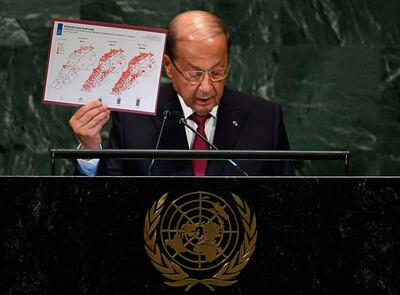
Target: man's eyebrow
x,y
199,69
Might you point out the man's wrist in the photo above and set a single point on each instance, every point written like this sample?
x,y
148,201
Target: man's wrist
x,y
80,148
83,147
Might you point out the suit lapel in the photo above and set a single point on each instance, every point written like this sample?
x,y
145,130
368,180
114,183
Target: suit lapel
x,y
231,118
174,136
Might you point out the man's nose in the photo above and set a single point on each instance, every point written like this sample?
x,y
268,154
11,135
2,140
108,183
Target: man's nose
x,y
206,83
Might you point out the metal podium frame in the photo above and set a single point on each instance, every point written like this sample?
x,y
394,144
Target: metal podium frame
x,y
200,154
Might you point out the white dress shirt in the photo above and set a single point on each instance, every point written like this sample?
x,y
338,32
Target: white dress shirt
x,y
209,125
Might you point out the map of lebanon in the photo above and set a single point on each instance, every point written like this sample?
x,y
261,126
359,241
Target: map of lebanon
x,y
137,67
79,59
108,63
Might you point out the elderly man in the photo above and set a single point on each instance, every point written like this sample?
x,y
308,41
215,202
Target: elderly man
x,y
197,63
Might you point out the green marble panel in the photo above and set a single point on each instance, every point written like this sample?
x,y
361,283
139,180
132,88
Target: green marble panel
x,y
341,22
140,13
251,23
331,98
389,145
28,127
333,65
259,78
28,22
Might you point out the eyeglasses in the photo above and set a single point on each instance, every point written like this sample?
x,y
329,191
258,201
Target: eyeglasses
x,y
195,77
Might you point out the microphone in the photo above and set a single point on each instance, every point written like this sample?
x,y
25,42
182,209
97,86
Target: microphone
x,y
182,121
166,114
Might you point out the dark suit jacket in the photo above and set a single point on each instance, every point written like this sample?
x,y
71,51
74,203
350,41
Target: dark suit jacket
x,y
260,127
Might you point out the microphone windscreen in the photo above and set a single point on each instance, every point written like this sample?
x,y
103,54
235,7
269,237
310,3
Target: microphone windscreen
x,y
166,113
167,109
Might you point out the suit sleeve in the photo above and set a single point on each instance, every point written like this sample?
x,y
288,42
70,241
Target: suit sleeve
x,y
114,167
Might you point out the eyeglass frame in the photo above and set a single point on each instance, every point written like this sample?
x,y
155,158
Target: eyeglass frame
x,y
182,73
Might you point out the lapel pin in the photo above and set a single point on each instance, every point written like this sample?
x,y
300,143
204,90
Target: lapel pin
x,y
235,123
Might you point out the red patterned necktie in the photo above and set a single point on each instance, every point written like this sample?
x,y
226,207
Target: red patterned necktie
x,y
199,165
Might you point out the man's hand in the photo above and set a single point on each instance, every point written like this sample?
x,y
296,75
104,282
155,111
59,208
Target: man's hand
x,y
87,122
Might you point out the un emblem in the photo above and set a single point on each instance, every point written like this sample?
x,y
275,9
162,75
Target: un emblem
x,y
199,238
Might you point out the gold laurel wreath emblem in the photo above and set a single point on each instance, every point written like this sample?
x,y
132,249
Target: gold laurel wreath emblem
x,y
176,275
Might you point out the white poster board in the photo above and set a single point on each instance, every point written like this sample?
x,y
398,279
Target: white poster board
x,y
117,64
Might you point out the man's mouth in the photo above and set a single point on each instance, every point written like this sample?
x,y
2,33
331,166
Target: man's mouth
x,y
204,100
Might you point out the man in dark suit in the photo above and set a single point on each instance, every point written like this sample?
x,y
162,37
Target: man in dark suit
x,y
197,63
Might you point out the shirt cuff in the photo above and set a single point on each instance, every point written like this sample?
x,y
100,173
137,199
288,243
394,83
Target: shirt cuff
x,y
87,167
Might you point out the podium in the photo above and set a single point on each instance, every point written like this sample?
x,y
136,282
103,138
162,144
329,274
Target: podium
x,y
88,235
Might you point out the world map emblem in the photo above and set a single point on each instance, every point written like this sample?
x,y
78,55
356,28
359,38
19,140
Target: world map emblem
x,y
200,238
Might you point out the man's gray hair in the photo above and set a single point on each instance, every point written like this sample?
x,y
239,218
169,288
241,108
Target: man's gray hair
x,y
205,25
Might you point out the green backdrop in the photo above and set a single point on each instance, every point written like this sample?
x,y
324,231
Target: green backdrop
x,y
334,67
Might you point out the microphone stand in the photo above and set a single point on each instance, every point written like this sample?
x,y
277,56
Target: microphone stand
x,y
166,115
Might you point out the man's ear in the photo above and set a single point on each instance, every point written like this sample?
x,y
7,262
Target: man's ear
x,y
167,66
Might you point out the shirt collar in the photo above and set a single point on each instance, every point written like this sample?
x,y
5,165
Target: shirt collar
x,y
187,111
